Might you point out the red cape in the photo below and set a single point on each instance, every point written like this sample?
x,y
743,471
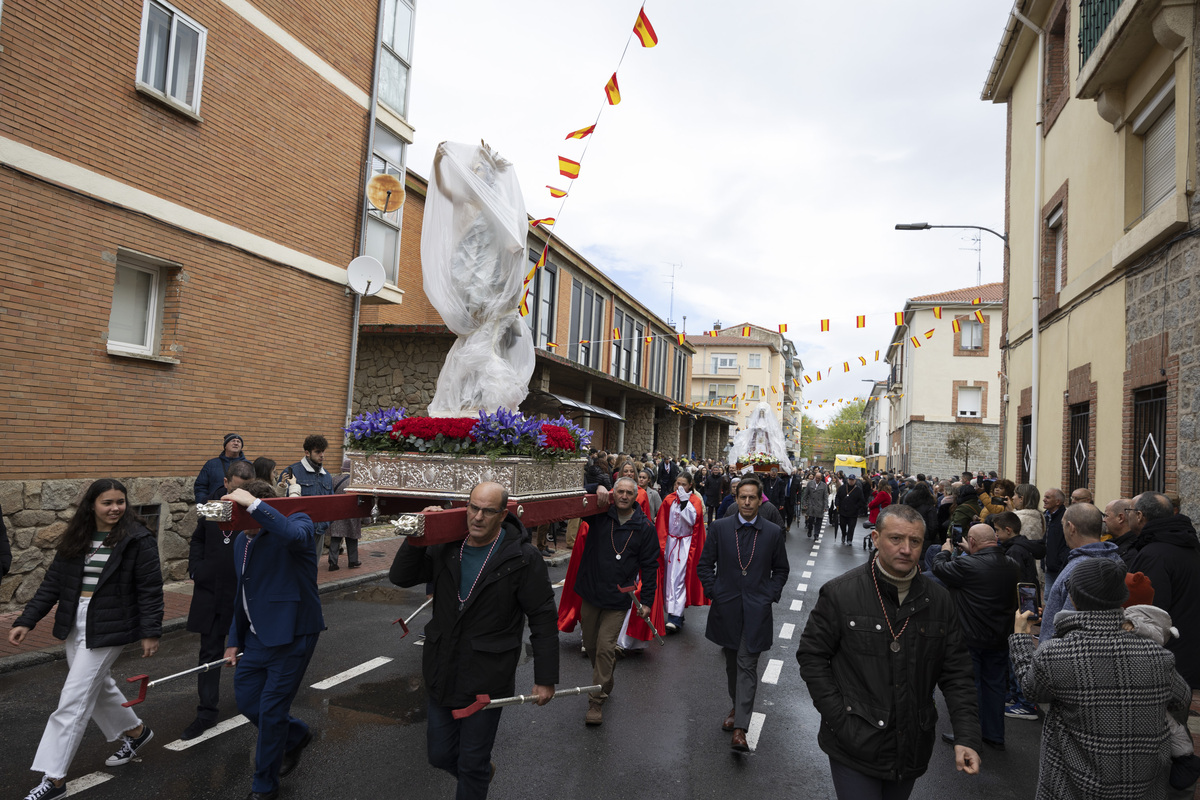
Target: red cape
x,y
695,591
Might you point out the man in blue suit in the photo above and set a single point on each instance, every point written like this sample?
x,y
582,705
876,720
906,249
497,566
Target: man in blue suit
x,y
277,618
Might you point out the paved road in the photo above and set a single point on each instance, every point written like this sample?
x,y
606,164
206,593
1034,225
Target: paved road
x,y
661,737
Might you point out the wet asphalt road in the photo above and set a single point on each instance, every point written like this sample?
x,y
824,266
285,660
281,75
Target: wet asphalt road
x,y
661,736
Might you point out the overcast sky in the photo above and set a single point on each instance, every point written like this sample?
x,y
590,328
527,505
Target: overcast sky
x,y
767,147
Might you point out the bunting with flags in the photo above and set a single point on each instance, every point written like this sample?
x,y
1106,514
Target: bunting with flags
x,y
783,328
568,168
824,326
860,321
956,326
929,333
937,312
845,366
644,30
979,316
616,334
977,301
582,132
863,360
915,341
899,315
533,223
746,331
612,91
556,192
681,337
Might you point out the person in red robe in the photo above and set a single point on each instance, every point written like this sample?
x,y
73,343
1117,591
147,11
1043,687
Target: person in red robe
x,y
680,526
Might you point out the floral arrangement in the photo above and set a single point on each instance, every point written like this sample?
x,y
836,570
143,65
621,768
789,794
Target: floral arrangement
x,y
758,458
504,433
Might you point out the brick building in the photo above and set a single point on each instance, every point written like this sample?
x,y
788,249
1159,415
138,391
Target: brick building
x,y
183,188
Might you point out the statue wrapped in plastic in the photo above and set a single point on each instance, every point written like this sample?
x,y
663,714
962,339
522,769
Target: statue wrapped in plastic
x,y
762,434
473,263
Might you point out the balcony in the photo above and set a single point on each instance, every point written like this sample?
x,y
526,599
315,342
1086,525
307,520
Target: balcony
x,y
709,371
1115,39
1094,16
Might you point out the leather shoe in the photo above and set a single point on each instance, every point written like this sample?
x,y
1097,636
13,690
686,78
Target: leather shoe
x,y
291,759
739,741
197,727
727,725
994,745
271,795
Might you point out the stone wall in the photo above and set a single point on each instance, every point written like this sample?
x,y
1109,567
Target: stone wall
x,y
927,449
666,432
639,427
399,371
36,515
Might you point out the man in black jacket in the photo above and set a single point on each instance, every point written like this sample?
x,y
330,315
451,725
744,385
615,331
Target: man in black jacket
x,y
210,566
1120,531
1054,503
880,639
851,503
483,590
668,471
985,583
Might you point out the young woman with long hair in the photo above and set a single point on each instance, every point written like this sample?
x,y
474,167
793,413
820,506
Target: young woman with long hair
x,y
107,582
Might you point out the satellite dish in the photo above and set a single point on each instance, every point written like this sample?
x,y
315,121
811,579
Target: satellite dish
x,y
365,275
385,192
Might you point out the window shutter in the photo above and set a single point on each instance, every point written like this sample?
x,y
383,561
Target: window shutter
x,y
1158,160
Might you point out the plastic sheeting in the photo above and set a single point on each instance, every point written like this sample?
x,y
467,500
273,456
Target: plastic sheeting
x,y
473,263
762,434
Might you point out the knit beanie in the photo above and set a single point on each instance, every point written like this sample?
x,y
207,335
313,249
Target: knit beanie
x,y
1141,591
229,436
1098,584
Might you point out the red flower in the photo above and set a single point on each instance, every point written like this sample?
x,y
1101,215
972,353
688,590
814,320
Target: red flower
x,y
558,437
430,427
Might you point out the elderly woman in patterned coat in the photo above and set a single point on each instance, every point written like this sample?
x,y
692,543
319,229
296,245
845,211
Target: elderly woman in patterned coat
x,y
1105,735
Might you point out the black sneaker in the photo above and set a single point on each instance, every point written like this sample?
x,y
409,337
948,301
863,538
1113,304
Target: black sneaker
x,y
333,566
130,748
46,790
197,727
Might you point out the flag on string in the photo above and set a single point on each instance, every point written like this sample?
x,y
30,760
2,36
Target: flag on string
x,y
611,91
681,337
863,360
745,330
544,221
807,379
711,333
773,390
860,321
523,309
876,355
979,316
956,326
818,374
899,317
915,342
824,326
555,192
929,333
783,328
585,341
649,339
582,132
977,301
937,312
845,366
568,168
644,30
797,383
616,334
551,345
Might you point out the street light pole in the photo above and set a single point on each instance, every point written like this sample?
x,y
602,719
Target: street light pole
x,y
924,226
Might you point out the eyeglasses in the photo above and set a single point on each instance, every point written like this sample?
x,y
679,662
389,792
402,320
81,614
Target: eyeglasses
x,y
488,513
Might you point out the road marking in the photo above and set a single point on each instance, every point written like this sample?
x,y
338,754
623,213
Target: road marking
x,y
558,585
353,672
787,630
215,730
805,574
756,725
803,587
797,605
773,670
811,564
90,780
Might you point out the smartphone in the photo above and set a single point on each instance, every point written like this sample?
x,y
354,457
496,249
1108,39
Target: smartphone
x,y
1027,598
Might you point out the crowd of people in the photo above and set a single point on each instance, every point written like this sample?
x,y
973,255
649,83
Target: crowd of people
x,y
1017,604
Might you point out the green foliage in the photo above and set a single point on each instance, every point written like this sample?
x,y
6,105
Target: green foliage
x,y
809,433
848,429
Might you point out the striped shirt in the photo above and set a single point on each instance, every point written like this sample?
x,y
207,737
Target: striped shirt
x,y
94,560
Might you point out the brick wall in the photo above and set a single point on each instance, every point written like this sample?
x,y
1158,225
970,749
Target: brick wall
x,y
927,449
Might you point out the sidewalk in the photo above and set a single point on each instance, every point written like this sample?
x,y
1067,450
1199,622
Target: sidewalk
x,y
376,556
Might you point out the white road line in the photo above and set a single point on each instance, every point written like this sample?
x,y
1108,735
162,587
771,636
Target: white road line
x,y
811,564
786,631
797,605
353,672
96,778
215,730
558,585
756,726
773,670
802,587
805,574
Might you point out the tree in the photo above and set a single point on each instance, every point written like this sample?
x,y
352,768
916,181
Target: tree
x,y
808,436
958,444
847,431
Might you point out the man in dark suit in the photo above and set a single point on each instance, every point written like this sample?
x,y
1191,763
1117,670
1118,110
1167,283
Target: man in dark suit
x,y
210,566
668,471
851,503
743,568
277,619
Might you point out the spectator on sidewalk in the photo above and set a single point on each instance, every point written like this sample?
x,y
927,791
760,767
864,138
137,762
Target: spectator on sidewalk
x,y
1016,546
1081,525
309,473
264,470
645,481
210,483
1118,529
348,530
1056,545
1081,495
1025,505
106,564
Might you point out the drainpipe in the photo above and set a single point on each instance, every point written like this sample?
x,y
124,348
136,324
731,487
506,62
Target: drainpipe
x,y
1039,143
362,230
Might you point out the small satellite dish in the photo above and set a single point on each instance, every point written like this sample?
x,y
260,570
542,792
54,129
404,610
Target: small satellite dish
x,y
365,275
386,193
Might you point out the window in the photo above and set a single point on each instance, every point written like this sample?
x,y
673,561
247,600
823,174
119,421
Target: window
x,y
751,391
970,401
1156,126
1055,224
541,294
657,377
587,323
1080,416
972,335
395,55
136,314
383,230
679,379
723,361
1149,439
171,55
626,357
755,361
1026,449
721,390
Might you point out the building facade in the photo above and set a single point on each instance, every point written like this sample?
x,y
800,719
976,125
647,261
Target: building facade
x,y
630,390
1101,215
738,366
878,428
173,245
941,379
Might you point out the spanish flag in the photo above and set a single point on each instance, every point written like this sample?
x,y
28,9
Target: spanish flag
x,y
544,221
585,341
745,330
979,316
956,325
582,132
860,321
551,345
711,333
845,366
568,168
899,317
644,30
977,301
824,326
611,91
915,342
556,192
876,355
929,333
863,360
807,379
818,374
796,383
523,309
649,339
937,311
616,334
773,389
681,337
783,328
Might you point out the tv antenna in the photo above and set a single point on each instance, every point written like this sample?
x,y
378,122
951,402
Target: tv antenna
x,y
977,239
671,311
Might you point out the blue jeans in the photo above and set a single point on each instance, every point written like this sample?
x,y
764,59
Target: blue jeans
x,y
991,685
463,747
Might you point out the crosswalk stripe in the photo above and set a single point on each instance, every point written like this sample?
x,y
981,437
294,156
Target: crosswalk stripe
x,y
353,672
773,670
216,730
96,778
756,725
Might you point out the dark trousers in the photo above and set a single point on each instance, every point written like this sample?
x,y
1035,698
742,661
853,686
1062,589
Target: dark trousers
x,y
848,522
741,670
463,747
710,511
208,684
335,547
789,514
991,686
850,784
812,525
265,684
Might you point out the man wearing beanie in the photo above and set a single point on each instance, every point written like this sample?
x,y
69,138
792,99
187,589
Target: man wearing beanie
x,y
1108,691
1082,525
210,483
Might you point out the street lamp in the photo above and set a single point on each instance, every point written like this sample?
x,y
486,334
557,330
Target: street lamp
x,y
924,226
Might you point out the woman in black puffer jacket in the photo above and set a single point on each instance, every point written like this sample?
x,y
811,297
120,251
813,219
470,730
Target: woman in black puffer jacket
x,y
107,582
